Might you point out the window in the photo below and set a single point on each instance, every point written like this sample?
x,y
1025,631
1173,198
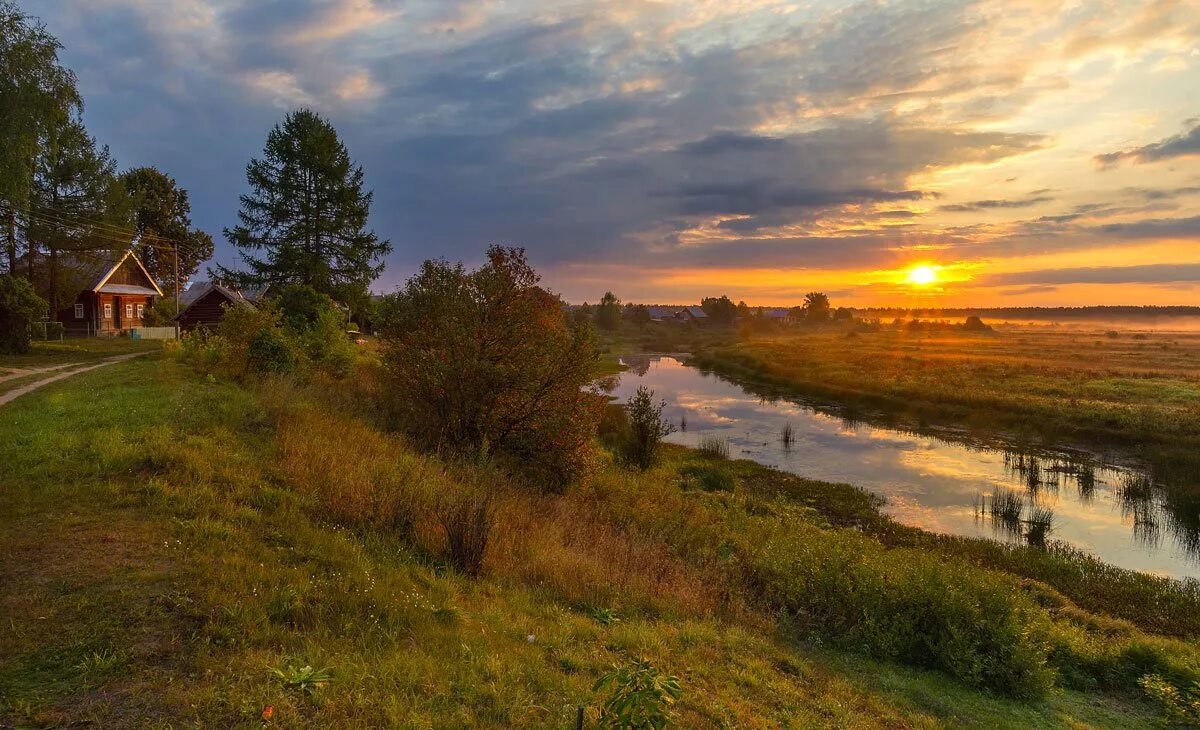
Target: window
x,y
108,311
78,311
128,311
141,308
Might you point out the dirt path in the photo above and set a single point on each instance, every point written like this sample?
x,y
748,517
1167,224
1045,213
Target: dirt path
x,y
24,372
18,392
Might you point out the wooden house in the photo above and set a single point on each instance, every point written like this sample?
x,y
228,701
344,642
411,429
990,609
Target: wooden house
x,y
115,300
204,304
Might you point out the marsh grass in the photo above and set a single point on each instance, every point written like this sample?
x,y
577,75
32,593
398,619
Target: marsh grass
x,y
787,435
714,447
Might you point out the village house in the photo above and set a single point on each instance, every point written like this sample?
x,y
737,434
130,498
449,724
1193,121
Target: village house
x,y
204,303
115,299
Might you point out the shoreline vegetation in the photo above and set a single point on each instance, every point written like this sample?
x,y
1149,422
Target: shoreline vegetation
x,y
297,532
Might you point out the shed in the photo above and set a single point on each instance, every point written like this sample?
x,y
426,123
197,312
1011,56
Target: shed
x,y
204,303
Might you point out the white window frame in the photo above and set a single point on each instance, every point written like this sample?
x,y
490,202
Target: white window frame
x,y
140,309
108,310
128,311
78,311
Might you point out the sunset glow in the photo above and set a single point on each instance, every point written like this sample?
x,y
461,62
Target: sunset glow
x,y
922,275
669,151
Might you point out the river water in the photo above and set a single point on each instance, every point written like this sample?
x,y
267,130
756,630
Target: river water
x,y
1105,505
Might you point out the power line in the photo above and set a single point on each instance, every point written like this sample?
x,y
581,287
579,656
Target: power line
x,y
48,216
122,238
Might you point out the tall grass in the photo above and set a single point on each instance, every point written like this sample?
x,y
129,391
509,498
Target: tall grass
x,y
714,447
787,435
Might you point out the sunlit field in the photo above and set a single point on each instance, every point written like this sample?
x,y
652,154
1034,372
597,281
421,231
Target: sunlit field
x,y
1126,386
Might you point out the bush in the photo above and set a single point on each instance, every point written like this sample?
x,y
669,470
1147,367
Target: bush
x,y
646,429
270,352
302,306
1180,706
20,307
325,343
485,360
901,604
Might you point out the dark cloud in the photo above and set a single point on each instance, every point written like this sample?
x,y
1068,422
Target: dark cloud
x,y
979,205
1181,145
1142,274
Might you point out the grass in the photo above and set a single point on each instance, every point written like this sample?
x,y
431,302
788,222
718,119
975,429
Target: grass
x,y
185,538
1056,385
68,351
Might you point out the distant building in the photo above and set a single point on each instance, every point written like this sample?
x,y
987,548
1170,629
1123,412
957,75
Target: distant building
x,y
204,303
116,297
692,314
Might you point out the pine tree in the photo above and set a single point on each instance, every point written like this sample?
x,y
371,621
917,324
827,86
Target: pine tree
x,y
76,204
36,93
304,221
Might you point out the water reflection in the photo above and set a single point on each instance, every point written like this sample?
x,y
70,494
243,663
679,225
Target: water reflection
x,y
945,482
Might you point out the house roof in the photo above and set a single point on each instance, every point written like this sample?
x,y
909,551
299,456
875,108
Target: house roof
x,y
697,312
108,264
199,289
127,289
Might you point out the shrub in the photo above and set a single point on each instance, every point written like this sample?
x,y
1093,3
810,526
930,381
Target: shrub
x,y
646,429
1179,706
270,352
302,306
252,341
639,696
20,307
900,604
485,359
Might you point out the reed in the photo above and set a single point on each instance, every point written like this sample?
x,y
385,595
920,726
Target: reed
x,y
714,447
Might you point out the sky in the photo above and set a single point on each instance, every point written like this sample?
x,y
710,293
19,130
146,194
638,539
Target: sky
x,y
1030,152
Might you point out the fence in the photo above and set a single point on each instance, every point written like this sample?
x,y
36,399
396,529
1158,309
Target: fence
x,y
154,333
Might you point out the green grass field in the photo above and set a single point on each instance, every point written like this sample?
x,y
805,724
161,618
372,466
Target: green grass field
x,y
1130,388
170,539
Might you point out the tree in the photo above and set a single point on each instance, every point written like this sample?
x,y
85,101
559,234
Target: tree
x,y
304,221
20,307
647,427
76,203
816,307
162,218
608,312
36,93
637,314
719,310
485,361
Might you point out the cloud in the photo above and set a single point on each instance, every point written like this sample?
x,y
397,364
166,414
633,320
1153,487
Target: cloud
x,y
1185,144
1141,274
995,204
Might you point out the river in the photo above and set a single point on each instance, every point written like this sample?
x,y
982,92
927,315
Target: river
x,y
1109,506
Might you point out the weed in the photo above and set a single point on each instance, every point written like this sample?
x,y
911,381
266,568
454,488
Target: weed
x,y
303,679
639,696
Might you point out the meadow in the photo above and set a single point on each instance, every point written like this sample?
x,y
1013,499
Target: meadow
x,y
1123,387
194,550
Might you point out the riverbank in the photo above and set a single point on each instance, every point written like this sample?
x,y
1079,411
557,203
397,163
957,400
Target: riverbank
x,y
1136,389
190,534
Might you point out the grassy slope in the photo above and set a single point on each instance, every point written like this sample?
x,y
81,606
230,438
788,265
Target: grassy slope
x,y
156,562
1045,383
71,351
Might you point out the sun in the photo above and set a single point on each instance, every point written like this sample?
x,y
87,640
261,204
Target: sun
x,y
922,275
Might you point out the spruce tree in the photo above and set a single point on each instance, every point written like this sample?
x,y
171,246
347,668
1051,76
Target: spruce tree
x,y
304,219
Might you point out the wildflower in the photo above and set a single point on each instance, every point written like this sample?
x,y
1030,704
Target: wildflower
x,y
268,712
